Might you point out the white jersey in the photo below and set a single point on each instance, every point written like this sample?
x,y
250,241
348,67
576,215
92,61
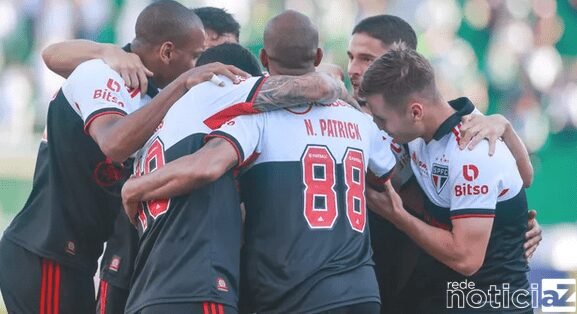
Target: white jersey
x,y
307,245
94,89
469,183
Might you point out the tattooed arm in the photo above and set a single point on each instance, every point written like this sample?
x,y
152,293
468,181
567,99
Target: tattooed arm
x,y
283,91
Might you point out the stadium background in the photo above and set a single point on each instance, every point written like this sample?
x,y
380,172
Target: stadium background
x,y
514,57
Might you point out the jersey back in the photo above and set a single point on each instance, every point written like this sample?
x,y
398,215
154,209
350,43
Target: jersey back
x,y
190,245
307,244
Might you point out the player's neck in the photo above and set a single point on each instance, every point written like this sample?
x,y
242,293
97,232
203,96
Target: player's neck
x,y
440,114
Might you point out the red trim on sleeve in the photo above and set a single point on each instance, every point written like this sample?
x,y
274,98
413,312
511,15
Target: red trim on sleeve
x,y
236,148
57,288
92,118
300,113
473,216
250,159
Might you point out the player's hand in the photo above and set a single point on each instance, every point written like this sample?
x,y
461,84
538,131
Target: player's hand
x,y
387,203
533,236
130,202
206,72
129,66
347,97
477,127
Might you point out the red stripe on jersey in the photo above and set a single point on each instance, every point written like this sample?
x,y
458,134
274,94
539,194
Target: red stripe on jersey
x,y
457,134
503,192
220,309
213,308
473,216
236,148
43,288
218,119
50,288
205,308
250,159
56,288
103,296
134,92
87,124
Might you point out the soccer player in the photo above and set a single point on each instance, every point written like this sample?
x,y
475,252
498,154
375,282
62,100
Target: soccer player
x,y
371,38
49,251
220,26
307,246
189,255
478,201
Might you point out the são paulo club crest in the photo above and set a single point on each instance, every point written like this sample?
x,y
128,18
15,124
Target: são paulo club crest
x,y
439,175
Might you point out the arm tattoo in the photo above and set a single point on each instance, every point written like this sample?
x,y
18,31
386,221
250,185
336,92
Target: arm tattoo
x,y
282,91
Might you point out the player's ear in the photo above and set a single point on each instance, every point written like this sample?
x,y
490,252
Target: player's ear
x,y
319,56
166,52
263,58
416,111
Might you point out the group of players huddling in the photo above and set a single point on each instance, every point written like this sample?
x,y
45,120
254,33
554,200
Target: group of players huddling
x,y
177,129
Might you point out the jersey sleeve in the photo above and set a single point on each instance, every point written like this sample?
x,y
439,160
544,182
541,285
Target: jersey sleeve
x,y
244,133
94,89
381,158
474,181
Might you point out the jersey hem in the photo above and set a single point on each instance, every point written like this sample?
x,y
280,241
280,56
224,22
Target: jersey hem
x,y
135,309
99,113
47,255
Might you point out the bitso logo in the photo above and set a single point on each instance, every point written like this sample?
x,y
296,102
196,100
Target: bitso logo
x,y
470,172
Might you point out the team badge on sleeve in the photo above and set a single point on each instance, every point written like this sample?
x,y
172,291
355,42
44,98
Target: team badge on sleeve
x,y
440,175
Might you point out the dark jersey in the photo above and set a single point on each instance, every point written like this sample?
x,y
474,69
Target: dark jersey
x,y
190,245
463,183
75,196
307,244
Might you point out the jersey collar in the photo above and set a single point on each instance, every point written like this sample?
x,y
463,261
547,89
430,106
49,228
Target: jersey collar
x,y
151,90
464,107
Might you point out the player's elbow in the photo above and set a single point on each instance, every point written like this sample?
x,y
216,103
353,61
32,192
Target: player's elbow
x,y
209,173
114,151
469,266
528,177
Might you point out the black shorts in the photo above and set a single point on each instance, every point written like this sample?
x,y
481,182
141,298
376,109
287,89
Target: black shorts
x,y
365,308
189,308
111,299
32,284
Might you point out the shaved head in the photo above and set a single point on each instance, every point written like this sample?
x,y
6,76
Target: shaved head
x,y
164,21
291,43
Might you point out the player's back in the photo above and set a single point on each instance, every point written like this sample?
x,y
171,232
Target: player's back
x,y
195,238
307,246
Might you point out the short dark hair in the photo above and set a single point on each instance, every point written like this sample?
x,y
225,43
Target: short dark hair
x,y
398,74
218,20
165,20
231,54
388,29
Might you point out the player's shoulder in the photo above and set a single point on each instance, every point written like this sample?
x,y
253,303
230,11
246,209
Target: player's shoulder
x,y
500,160
94,70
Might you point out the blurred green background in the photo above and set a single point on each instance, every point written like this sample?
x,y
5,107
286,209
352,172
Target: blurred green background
x,y
514,57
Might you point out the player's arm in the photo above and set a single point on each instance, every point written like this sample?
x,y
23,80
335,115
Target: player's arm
x,y
63,57
119,137
477,127
283,91
180,176
462,249
229,146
